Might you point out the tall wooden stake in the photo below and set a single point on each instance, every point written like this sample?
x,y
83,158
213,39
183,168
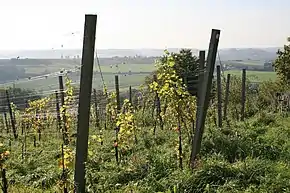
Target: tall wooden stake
x,y
11,116
200,79
58,111
62,95
227,96
243,99
117,93
96,110
6,122
219,96
118,111
130,95
205,95
158,106
84,101
4,181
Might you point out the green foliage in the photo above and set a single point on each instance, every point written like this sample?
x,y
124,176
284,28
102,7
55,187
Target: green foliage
x,y
185,62
282,64
128,129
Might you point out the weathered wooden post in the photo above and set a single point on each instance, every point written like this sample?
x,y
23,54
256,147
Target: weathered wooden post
x,y
201,73
157,104
63,113
243,98
58,111
13,124
227,96
84,101
96,109
117,93
205,95
130,95
118,111
6,123
219,95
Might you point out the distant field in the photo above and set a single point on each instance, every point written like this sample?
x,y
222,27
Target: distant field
x,y
255,75
245,62
137,77
127,68
51,83
105,68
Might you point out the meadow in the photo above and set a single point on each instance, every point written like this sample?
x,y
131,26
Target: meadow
x,y
256,76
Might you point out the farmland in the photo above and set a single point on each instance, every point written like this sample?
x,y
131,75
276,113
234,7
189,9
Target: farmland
x,y
256,76
130,74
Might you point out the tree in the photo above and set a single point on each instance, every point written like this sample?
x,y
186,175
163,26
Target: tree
x,y
186,64
282,63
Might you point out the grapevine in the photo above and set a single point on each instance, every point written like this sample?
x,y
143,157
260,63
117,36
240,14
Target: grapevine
x,y
180,105
127,127
68,100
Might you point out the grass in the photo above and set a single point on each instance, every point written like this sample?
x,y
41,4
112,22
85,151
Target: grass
x,y
255,75
245,63
247,156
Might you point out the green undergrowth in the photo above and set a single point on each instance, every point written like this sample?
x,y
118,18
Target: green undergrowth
x,y
251,156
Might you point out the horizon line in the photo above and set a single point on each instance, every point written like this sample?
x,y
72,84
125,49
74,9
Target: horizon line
x,y
46,49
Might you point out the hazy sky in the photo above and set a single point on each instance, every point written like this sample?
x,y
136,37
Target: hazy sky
x,y
47,24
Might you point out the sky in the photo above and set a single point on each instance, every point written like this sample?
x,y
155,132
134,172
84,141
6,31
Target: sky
x,y
129,24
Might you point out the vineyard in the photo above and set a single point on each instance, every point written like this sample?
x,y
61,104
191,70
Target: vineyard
x,y
182,130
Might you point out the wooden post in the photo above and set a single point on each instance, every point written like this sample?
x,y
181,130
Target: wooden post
x,y
6,122
243,99
58,111
62,95
200,79
219,96
11,116
118,111
130,95
158,106
4,181
117,93
205,95
227,96
84,101
96,109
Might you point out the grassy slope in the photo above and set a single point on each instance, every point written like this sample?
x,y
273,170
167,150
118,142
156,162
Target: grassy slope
x,y
246,157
